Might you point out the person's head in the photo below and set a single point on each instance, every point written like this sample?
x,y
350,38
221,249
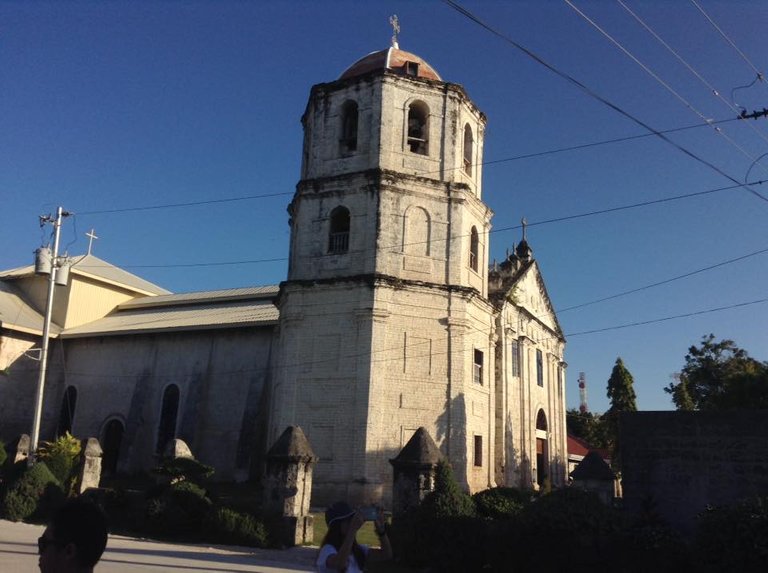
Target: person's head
x,y
74,539
338,518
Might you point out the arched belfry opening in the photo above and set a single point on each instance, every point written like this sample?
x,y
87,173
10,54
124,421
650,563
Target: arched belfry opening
x,y
542,449
469,149
474,249
338,234
418,128
349,121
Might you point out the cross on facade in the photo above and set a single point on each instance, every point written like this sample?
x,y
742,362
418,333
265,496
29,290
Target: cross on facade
x,y
395,29
91,236
524,223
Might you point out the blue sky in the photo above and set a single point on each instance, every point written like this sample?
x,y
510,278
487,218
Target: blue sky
x,y
115,105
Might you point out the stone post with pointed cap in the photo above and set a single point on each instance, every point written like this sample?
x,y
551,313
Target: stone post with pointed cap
x,y
18,449
414,472
89,474
288,485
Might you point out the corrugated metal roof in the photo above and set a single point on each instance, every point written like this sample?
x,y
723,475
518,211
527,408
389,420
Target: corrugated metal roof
x,y
187,317
211,296
89,265
16,314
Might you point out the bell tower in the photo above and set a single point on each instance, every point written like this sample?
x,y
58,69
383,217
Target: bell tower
x,y
385,324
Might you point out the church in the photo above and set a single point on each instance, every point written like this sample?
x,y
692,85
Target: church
x,y
391,318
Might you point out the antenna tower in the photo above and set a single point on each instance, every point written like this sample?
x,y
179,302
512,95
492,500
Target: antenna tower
x,y
583,393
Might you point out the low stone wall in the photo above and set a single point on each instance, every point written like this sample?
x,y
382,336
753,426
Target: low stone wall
x,y
684,461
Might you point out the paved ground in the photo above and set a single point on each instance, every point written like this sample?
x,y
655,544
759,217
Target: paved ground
x,y
18,554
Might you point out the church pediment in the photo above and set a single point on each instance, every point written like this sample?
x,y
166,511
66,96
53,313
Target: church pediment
x,y
525,290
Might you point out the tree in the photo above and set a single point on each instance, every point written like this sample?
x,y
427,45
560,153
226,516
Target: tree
x,y
620,389
621,393
592,428
719,376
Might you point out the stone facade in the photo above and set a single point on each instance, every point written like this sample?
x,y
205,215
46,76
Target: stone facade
x,y
389,319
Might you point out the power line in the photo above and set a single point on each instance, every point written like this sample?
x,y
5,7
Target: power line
x,y
481,331
666,281
658,79
464,235
690,68
760,75
591,93
666,318
187,204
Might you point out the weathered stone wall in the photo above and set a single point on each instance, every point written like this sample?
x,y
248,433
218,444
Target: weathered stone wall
x,y
684,461
220,375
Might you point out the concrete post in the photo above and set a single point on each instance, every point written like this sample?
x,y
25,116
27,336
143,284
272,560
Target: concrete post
x,y
18,450
288,485
414,472
89,474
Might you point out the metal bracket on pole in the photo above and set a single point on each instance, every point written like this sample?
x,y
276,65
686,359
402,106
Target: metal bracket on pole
x,y
60,214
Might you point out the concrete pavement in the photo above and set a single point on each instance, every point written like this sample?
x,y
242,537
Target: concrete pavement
x,y
18,554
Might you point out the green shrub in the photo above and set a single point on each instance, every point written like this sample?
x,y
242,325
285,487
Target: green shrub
x,y
447,500
442,532
575,521
61,457
236,528
3,456
33,495
733,538
501,502
180,511
184,469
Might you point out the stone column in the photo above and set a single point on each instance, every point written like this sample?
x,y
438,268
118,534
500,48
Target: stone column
x,y
414,472
89,474
18,450
288,485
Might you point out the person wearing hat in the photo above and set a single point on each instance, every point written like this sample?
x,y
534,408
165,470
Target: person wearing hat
x,y
340,550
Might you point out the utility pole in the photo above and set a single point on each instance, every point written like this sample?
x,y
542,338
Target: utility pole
x,y
60,214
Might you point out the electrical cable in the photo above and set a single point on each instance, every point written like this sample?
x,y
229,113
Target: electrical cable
x,y
760,75
399,348
187,204
659,80
464,235
666,318
690,68
666,281
591,93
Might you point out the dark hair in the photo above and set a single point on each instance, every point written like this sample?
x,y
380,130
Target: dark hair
x,y
336,538
83,524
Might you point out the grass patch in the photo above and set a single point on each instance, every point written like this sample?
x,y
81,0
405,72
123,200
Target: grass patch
x,y
365,535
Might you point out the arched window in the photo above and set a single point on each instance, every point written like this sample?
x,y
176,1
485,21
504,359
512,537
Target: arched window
x,y
542,449
67,413
541,421
111,440
418,128
416,235
474,248
338,237
169,411
469,146
348,141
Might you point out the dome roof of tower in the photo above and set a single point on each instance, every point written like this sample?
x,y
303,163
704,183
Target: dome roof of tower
x,y
395,60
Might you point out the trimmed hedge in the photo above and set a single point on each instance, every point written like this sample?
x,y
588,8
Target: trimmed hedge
x,y
236,528
734,538
501,502
3,455
34,494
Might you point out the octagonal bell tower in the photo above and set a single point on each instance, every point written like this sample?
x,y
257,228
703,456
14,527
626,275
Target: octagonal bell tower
x,y
384,319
